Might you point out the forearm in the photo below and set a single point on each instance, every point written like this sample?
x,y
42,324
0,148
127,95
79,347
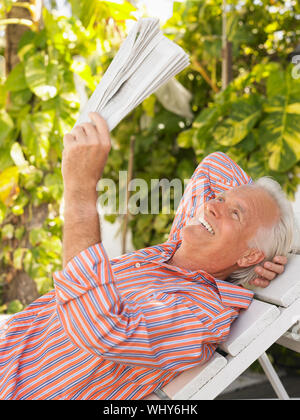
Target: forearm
x,y
81,222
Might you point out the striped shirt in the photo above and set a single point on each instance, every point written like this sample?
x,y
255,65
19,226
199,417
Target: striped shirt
x,y
122,328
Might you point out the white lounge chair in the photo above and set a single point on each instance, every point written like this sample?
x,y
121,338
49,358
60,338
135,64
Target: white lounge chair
x,y
273,316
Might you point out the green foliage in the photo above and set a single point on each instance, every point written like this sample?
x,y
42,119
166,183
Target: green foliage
x,y
257,125
38,105
14,306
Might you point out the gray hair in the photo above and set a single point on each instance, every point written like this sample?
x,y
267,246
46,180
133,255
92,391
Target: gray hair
x,y
280,239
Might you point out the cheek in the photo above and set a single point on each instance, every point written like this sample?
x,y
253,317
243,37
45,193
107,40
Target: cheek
x,y
233,237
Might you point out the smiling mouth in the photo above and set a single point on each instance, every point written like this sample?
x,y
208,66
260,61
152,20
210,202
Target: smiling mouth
x,y
206,225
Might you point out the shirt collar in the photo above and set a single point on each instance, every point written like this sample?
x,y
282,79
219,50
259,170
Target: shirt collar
x,y
231,295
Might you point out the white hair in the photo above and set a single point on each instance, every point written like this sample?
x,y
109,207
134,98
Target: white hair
x,y
280,239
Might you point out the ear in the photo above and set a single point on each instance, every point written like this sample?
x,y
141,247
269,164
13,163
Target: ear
x,y
251,257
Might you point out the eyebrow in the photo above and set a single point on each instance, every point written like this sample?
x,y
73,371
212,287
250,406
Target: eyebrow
x,y
240,208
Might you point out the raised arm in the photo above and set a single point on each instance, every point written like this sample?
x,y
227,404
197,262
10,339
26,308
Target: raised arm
x,y
85,153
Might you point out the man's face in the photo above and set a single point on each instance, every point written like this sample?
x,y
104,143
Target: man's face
x,y
222,228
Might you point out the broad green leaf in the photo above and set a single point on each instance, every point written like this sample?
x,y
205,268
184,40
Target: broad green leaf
x,y
53,244
18,258
14,306
19,232
17,156
185,138
250,142
283,156
42,78
5,158
19,204
7,231
35,134
16,79
281,83
44,284
9,188
205,124
84,71
32,178
120,10
2,95
279,132
20,98
3,210
29,42
37,236
185,169
66,109
235,128
28,262
54,183
6,125
293,108
160,222
149,105
256,165
90,11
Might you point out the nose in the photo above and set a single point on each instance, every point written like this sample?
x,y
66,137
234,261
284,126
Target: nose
x,y
214,207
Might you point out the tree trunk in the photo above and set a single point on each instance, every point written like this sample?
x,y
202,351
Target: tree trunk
x,y
17,283
13,34
226,50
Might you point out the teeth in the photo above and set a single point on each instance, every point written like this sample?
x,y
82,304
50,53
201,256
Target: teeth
x,y
206,225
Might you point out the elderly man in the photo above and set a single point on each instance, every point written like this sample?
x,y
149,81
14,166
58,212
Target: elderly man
x,y
120,329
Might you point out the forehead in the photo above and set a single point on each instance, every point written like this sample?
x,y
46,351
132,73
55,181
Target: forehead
x,y
254,201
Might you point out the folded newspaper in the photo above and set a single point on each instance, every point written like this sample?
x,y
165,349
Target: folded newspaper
x,y
145,61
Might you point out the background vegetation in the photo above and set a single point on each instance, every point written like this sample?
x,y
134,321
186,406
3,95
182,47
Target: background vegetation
x,y
256,119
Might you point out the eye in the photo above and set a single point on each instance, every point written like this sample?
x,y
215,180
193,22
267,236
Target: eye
x,y
236,214
220,198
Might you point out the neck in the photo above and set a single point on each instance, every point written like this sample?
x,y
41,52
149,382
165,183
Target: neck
x,y
181,259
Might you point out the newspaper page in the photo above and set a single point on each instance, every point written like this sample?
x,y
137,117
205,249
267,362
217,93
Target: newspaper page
x,y
145,61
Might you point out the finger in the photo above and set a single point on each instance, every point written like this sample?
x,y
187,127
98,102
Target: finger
x,y
90,131
276,268
99,122
79,133
266,274
68,138
101,127
258,282
280,259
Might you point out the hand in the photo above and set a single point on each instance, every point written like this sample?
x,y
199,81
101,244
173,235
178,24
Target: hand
x,y
85,153
269,271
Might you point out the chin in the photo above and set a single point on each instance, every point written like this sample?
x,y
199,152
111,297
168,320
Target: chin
x,y
192,235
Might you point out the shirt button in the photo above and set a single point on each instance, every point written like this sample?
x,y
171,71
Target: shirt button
x,y
137,265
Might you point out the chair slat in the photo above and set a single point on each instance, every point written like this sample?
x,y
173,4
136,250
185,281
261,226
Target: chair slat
x,y
284,289
289,343
249,325
185,385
